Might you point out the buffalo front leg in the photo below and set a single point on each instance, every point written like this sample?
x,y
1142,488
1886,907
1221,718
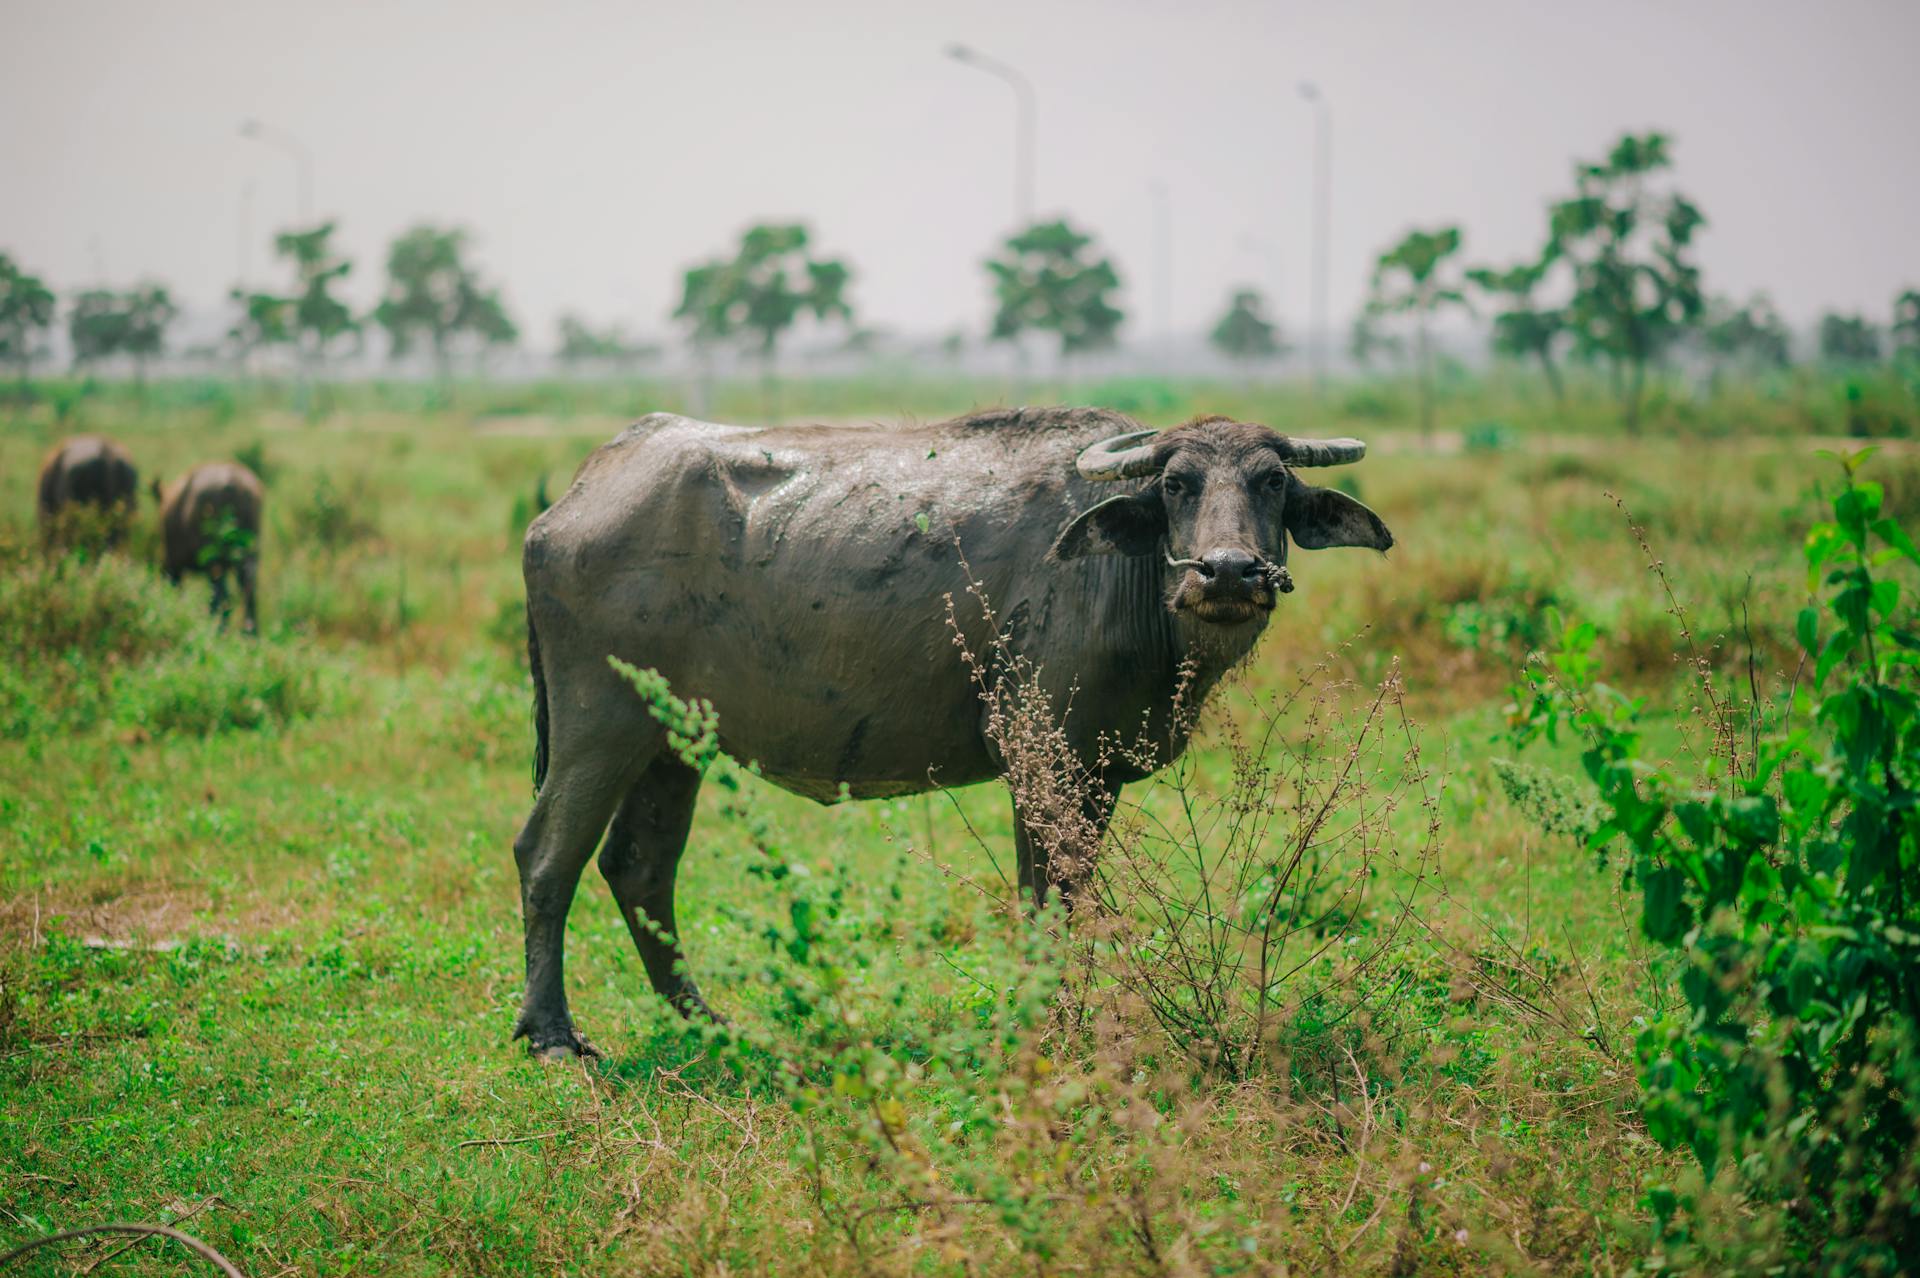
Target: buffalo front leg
x,y
567,819
249,579
640,861
218,607
1055,844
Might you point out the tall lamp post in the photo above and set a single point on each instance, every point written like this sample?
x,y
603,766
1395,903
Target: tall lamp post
x,y
1023,125
1322,206
283,141
244,225
1162,262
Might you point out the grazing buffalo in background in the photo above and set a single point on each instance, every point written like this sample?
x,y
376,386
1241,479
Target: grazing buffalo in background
x,y
796,578
210,522
88,470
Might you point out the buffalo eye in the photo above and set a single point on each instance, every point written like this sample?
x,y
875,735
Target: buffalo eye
x,y
1275,480
1173,485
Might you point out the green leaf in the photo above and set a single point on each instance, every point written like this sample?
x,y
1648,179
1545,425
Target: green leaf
x,y
1665,915
1753,819
1838,646
1807,629
1855,508
1895,536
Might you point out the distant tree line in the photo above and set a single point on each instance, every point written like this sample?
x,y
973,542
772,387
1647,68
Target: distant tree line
x,y
1614,286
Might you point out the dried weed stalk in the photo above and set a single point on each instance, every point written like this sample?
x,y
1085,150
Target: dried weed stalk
x,y
1223,904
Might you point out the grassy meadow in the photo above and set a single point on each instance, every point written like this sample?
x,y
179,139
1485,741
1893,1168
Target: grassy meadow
x,y
260,951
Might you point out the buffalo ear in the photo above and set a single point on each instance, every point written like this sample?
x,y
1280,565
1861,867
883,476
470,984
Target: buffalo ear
x,y
1317,518
1130,525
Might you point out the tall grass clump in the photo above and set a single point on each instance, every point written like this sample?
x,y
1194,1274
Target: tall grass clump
x,y
1252,911
107,642
1783,879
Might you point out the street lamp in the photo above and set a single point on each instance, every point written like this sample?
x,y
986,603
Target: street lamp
x,y
1023,125
244,222
1162,259
302,159
1322,199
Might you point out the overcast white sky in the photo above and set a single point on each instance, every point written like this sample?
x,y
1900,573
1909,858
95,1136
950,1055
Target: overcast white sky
x,y
596,148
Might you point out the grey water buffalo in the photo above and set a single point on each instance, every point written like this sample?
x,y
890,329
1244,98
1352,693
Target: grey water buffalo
x,y
797,578
88,471
210,522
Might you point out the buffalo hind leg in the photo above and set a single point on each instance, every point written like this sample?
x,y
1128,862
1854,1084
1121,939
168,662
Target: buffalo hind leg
x,y
640,860
581,791
1056,850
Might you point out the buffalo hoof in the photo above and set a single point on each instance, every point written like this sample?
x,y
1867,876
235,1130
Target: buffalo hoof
x,y
692,1007
570,1045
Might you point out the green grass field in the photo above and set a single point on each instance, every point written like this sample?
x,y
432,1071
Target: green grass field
x,y
259,935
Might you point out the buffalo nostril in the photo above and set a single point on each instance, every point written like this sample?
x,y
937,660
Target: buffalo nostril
x,y
1233,565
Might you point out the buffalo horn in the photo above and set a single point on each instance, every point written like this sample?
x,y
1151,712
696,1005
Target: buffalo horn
x,y
1121,457
1321,452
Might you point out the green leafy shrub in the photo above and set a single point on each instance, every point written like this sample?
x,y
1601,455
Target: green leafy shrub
x,y
110,643
253,455
1513,621
1487,437
1786,881
1873,406
329,520
110,609
526,506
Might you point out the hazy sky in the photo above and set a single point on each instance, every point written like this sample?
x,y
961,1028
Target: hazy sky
x,y
596,148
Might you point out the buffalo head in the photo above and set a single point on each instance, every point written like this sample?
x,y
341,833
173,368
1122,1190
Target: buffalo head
x,y
1221,505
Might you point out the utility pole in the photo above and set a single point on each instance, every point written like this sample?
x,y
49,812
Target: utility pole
x,y
1162,262
1322,216
288,144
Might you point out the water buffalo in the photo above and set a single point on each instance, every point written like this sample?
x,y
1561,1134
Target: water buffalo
x,y
796,577
210,522
88,470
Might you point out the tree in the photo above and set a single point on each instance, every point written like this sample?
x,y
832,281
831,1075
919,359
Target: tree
x,y
580,344
434,294
1848,339
104,324
264,320
756,295
1522,328
1046,280
1906,325
149,309
26,308
1411,279
1366,341
96,327
1627,243
314,318
1753,334
1244,333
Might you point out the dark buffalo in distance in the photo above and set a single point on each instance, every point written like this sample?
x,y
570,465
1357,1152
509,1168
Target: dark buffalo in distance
x,y
210,523
797,578
88,471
